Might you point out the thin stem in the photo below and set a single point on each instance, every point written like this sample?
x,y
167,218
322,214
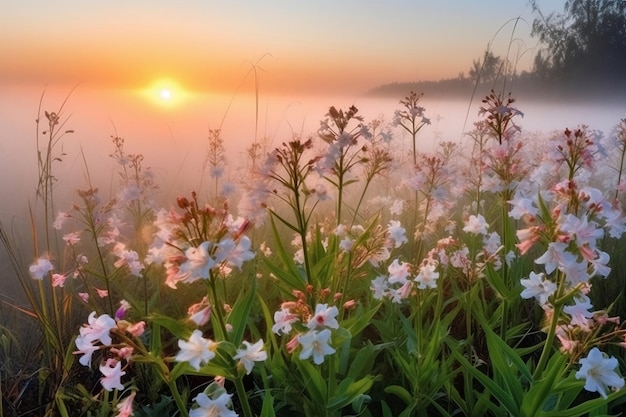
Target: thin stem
x,y
243,397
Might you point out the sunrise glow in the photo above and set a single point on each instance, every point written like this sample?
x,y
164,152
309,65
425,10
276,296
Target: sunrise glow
x,y
166,92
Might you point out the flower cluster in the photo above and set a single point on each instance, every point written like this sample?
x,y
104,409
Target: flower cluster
x,y
313,329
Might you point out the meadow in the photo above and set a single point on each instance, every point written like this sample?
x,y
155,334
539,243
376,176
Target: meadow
x,y
353,271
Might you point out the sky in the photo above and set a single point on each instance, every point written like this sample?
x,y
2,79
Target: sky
x,y
293,46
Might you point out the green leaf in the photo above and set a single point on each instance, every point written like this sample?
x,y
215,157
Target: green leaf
x,y
400,392
500,394
348,391
176,327
314,382
267,410
240,312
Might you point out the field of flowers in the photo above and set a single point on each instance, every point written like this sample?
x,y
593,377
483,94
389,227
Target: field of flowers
x,y
345,275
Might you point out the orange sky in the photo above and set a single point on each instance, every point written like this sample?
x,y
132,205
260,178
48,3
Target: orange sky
x,y
316,46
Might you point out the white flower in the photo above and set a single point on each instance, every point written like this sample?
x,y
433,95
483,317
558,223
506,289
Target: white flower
x,y
198,263
427,277
40,268
250,354
197,350
599,372
476,224
379,287
212,408
315,343
397,233
98,328
112,375
324,317
580,311
538,287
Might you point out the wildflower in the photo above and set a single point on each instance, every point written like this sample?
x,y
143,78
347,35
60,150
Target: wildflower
x,y
580,311
250,354
427,277
476,224
121,311
60,219
554,256
522,207
379,287
538,287
200,313
283,320
112,371
58,280
212,408
315,343
198,264
235,254
136,329
102,293
397,233
599,372
125,407
324,317
72,238
197,350
86,348
398,272
98,328
397,207
40,268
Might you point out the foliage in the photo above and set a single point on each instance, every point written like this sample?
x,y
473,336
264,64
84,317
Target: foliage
x,y
586,41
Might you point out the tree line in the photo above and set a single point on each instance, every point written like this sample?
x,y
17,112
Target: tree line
x,y
583,47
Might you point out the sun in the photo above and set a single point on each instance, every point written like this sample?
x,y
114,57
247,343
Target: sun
x,y
166,92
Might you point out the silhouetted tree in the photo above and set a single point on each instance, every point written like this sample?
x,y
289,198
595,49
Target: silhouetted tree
x,y
586,41
487,69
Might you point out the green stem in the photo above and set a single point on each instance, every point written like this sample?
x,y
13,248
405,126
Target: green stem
x,y
243,397
178,399
217,308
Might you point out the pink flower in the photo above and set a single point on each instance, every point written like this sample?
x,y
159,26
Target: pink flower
x,y
112,371
283,319
125,407
72,238
398,272
58,280
200,313
580,311
137,329
102,293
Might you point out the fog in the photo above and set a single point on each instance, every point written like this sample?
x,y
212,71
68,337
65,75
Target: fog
x,y
174,140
